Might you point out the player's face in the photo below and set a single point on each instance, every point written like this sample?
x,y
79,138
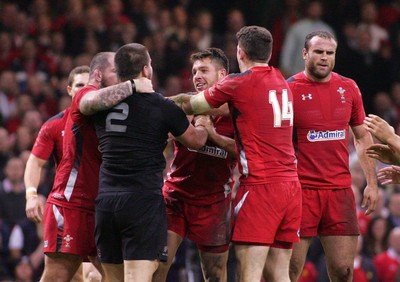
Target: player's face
x,y
109,74
320,58
80,80
206,74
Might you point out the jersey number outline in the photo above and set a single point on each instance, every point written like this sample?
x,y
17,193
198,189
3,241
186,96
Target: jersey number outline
x,y
281,113
122,114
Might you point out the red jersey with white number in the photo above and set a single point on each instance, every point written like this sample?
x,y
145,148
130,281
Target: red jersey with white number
x,y
77,177
260,103
50,138
323,112
204,176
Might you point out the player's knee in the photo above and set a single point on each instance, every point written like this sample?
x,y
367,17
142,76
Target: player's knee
x,y
342,273
214,271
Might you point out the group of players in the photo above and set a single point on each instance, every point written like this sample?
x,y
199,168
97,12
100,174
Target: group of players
x,y
110,202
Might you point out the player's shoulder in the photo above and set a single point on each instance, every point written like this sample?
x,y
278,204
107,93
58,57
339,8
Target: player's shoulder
x,y
343,80
84,90
297,78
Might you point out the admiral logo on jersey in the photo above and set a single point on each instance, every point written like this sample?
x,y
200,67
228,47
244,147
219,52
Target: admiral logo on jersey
x,y
212,151
316,136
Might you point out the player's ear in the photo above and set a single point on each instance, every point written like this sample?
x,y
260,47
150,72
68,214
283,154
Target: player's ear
x,y
97,75
304,53
222,73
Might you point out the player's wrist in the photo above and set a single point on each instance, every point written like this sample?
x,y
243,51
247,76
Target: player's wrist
x,y
133,86
31,192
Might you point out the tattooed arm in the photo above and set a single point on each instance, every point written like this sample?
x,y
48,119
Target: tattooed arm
x,y
108,97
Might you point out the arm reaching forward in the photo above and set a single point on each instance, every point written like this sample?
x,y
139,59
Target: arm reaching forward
x,y
108,97
383,131
192,104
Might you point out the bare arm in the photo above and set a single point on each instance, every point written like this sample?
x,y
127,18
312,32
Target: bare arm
x,y
33,171
362,141
192,104
221,111
108,97
224,142
383,131
193,137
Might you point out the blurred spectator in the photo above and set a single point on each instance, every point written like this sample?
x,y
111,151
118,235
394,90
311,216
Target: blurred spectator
x,y
364,269
385,108
369,17
8,15
368,68
284,18
363,220
23,140
389,13
24,104
23,271
173,86
26,242
381,206
291,60
30,63
42,96
71,24
387,263
234,22
394,210
8,95
5,146
204,21
4,253
12,192
20,32
376,238
7,54
395,95
33,120
43,32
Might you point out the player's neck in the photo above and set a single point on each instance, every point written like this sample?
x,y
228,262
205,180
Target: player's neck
x,y
249,65
317,79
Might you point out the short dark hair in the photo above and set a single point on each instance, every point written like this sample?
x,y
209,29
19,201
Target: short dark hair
x,y
130,60
75,71
215,54
256,42
100,61
320,33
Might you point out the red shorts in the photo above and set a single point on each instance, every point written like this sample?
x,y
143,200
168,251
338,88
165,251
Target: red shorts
x,y
68,231
207,226
267,214
329,212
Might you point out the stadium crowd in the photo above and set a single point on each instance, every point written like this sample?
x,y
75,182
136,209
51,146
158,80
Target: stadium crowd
x,y
41,41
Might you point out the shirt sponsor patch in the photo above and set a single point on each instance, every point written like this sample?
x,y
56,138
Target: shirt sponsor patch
x,y
315,136
211,151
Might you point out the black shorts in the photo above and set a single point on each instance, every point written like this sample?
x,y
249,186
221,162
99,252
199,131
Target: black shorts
x,y
131,226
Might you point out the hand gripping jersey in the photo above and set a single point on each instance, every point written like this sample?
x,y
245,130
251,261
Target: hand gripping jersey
x,y
260,103
322,115
77,176
204,176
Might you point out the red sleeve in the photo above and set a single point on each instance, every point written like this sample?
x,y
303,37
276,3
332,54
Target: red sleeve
x,y
44,144
357,113
221,92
